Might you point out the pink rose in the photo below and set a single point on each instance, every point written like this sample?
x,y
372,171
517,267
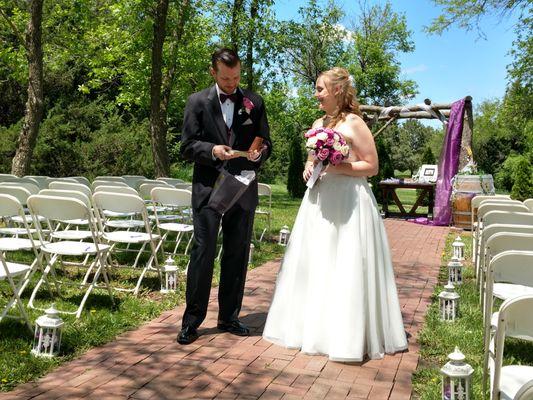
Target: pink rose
x,y
336,157
319,144
323,154
330,142
247,103
309,133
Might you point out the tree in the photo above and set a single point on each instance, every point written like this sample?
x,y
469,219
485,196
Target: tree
x,y
468,13
295,183
377,36
523,180
34,104
386,170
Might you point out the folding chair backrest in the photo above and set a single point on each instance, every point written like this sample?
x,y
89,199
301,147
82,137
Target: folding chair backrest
x,y
97,183
81,179
493,229
476,200
171,181
513,266
116,189
506,217
264,190
79,187
42,181
119,202
133,180
20,193
145,189
33,188
171,197
10,206
67,193
110,178
516,313
510,206
7,176
529,204
505,241
58,208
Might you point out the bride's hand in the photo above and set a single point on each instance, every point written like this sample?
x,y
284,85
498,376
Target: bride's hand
x,y
308,170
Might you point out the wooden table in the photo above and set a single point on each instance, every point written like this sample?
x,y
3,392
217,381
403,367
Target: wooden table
x,y
389,188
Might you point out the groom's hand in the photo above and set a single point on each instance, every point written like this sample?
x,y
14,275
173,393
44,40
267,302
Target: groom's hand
x,y
223,152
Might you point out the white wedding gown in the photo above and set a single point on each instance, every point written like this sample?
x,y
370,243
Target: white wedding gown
x,y
335,293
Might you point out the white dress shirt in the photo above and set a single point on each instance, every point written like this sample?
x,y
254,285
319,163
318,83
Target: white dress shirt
x,y
228,107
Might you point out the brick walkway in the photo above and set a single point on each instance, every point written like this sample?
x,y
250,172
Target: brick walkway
x,y
148,364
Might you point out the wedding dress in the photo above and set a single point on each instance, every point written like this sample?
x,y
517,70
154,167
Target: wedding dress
x,y
335,292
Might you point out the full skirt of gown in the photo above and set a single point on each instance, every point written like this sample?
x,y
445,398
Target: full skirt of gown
x,y
335,292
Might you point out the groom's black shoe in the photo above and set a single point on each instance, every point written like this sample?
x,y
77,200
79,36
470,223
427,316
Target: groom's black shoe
x,y
187,335
235,327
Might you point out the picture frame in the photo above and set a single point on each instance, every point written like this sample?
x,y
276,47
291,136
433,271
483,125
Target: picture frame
x,y
428,173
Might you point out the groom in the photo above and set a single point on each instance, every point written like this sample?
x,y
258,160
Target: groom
x,y
218,120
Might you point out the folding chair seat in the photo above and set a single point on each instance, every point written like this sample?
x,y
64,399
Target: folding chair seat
x,y
264,190
56,210
127,203
17,274
514,319
176,201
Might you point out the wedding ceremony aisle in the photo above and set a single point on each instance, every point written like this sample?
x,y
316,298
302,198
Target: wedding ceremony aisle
x,y
147,363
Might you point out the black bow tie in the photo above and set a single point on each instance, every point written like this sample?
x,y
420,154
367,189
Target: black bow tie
x,y
223,97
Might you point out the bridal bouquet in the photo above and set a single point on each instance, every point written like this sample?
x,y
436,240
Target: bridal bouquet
x,y
327,146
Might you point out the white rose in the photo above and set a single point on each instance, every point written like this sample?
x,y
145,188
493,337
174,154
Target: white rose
x,y
322,136
337,146
311,142
345,150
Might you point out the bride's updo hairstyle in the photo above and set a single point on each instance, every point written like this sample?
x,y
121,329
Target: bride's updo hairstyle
x,y
339,80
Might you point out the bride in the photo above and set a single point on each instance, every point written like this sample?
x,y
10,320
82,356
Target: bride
x,y
335,293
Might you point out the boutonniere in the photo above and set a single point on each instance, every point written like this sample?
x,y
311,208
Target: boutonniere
x,y
247,106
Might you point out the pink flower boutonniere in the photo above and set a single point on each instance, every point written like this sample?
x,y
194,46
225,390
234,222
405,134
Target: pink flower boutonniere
x,y
248,106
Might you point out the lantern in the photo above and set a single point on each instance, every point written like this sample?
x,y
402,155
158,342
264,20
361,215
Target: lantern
x,y
456,377
284,234
48,330
458,249
170,278
455,271
449,303
251,253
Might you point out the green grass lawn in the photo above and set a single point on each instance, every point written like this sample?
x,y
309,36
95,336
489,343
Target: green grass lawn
x,y
101,322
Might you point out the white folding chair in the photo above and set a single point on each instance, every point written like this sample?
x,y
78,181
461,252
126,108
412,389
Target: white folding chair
x,y
42,181
497,244
117,189
81,179
529,204
488,232
111,178
499,214
56,210
474,205
22,194
97,183
175,201
17,274
264,190
514,319
31,187
127,203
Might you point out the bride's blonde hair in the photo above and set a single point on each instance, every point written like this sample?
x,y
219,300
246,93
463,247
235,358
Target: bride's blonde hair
x,y
340,83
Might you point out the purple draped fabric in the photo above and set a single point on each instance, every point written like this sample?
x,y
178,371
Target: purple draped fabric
x,y
448,164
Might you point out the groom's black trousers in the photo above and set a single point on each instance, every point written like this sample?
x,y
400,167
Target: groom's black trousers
x,y
237,225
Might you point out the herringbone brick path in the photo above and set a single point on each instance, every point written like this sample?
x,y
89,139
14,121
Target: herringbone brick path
x,y
147,363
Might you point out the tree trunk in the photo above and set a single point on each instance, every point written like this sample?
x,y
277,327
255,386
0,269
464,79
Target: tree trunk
x,y
234,28
158,124
34,106
250,46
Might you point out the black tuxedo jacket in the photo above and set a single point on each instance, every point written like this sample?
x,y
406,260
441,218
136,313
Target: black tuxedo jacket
x,y
204,127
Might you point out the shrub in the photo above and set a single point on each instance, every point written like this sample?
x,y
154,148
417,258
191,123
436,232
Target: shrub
x,y
523,182
504,177
386,169
295,184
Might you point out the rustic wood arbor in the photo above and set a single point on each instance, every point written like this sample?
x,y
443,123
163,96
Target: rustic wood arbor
x,y
428,110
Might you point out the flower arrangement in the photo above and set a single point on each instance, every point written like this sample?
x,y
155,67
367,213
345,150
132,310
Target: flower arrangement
x,y
247,106
327,145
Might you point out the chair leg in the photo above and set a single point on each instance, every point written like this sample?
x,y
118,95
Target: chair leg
x,y
15,300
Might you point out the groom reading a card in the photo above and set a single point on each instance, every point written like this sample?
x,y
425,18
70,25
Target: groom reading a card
x,y
224,127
